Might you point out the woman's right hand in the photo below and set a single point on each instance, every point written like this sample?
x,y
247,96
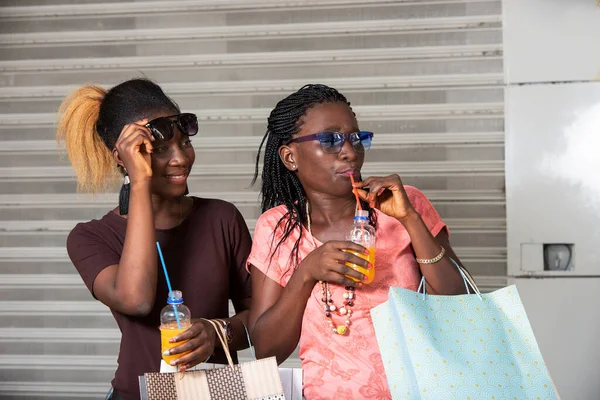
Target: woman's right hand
x,y
134,147
328,263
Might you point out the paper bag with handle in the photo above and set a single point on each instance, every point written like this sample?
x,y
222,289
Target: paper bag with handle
x,y
458,347
254,380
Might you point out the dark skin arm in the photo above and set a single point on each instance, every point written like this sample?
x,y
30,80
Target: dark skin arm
x,y
276,312
273,335
202,335
388,195
130,286
203,340
441,277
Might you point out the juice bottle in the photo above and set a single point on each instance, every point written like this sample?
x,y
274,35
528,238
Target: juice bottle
x,y
175,318
364,234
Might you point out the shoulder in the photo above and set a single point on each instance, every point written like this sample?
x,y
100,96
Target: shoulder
x,y
268,224
217,215
94,229
414,193
214,205
94,245
424,207
95,235
417,198
215,209
267,255
270,218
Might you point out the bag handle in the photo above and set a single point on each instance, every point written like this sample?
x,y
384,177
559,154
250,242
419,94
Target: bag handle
x,y
250,346
467,279
223,338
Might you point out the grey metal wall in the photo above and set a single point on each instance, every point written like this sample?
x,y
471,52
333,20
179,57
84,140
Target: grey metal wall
x,y
425,75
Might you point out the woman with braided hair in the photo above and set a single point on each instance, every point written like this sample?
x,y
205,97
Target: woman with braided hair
x,y
303,292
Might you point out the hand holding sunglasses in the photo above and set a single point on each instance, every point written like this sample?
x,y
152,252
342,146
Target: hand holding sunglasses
x,y
134,147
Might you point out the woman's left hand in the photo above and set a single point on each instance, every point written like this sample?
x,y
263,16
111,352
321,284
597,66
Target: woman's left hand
x,y
386,194
201,337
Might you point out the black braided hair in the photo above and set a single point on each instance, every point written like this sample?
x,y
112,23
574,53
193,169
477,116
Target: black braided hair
x,y
280,185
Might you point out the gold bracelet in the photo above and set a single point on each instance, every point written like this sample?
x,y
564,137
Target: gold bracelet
x,y
432,260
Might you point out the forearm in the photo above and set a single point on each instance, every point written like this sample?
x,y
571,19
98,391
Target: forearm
x,y
441,277
137,272
277,331
239,340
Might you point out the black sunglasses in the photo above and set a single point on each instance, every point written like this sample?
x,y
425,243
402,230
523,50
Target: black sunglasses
x,y
163,128
332,142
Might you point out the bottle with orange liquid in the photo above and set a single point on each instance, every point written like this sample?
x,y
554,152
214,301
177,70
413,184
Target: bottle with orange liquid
x,y
364,234
175,318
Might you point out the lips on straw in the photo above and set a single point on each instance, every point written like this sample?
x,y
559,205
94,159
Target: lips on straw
x,y
355,191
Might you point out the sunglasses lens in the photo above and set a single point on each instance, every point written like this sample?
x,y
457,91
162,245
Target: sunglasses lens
x,y
162,129
188,124
361,141
331,142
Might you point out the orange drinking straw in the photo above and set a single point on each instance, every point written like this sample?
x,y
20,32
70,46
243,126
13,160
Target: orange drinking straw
x,y
355,191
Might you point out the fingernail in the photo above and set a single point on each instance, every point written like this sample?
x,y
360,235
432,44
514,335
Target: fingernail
x,y
173,363
365,278
167,353
369,266
367,251
380,191
360,284
371,204
172,340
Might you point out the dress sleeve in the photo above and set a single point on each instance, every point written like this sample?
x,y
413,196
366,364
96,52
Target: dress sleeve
x,y
240,286
90,253
424,207
262,255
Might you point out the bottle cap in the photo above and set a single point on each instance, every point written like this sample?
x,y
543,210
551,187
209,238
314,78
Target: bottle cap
x,y
175,297
362,215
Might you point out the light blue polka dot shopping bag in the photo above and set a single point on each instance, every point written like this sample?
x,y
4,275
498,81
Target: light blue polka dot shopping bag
x,y
468,347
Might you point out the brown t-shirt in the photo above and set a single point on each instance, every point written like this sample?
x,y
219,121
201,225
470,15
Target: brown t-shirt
x,y
205,257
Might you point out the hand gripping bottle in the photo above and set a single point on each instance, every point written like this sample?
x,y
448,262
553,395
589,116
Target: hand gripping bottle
x,y
364,234
175,318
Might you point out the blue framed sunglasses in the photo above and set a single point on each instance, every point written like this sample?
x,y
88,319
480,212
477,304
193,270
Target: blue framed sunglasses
x,y
332,142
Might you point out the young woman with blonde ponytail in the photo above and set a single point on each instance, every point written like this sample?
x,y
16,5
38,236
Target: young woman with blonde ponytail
x,y
136,131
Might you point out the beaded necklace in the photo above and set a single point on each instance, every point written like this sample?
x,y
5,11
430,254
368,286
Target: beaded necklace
x,y
330,308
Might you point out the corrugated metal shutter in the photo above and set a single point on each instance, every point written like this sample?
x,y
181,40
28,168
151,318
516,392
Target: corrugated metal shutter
x,y
425,75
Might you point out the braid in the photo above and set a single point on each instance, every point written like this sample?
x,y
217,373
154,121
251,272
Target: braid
x,y
281,186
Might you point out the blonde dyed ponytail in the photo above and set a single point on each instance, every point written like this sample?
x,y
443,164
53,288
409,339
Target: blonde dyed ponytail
x,y
92,161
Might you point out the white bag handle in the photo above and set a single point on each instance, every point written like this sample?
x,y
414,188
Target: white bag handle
x,y
223,338
468,281
250,347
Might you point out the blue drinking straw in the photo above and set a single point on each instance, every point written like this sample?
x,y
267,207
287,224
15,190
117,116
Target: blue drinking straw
x,y
162,261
